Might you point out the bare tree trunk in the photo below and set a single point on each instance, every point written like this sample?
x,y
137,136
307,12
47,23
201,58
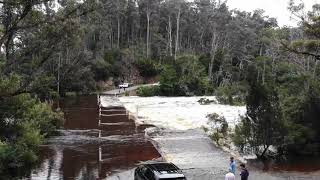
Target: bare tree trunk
x,y
273,66
132,34
47,9
201,40
260,52
264,151
315,69
189,43
118,39
177,34
58,78
264,72
308,64
7,47
214,47
118,24
111,38
148,31
170,36
67,55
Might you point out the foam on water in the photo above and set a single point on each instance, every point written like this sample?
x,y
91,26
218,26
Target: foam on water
x,y
179,113
110,101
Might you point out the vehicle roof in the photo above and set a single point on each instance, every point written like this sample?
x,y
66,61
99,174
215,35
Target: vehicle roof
x,y
165,170
162,166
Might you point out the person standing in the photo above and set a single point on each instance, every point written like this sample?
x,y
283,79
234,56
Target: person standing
x,y
230,176
233,166
244,172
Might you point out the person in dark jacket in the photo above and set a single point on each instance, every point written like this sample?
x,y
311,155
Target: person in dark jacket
x,y
244,172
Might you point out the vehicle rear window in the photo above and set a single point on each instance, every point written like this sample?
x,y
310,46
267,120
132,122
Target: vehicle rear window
x,y
149,174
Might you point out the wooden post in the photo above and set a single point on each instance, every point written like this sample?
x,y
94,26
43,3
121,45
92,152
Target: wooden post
x,y
137,111
99,123
100,154
98,100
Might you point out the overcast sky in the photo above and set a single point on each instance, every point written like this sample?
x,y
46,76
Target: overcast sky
x,y
273,8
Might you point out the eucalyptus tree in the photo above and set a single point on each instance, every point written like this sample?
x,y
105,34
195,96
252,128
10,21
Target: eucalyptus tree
x,y
167,22
148,9
205,10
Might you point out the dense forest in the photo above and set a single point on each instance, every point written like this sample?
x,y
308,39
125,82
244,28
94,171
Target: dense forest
x,y
50,48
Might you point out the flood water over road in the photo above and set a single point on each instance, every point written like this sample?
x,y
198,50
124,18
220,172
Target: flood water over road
x,y
111,148
181,140
80,154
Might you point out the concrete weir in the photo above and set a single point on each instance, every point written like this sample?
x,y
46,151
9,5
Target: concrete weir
x,y
190,150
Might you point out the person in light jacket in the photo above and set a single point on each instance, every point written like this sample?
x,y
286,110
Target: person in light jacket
x,y
230,175
233,165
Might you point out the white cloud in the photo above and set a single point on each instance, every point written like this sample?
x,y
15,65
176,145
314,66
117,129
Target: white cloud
x,y
273,8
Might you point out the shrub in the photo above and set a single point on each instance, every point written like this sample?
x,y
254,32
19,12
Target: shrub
x,y
218,127
24,124
148,91
216,136
232,94
31,136
205,101
43,117
192,75
169,83
17,156
147,68
101,70
242,134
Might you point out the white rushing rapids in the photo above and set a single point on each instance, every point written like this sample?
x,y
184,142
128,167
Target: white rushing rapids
x,y
179,113
182,141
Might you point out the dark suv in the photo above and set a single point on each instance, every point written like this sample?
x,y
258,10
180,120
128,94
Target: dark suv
x,y
158,171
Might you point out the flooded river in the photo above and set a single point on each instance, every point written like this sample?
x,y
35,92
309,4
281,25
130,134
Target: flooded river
x,y
80,154
106,146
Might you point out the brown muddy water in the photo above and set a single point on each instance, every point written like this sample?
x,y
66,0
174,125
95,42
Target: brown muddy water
x,y
80,154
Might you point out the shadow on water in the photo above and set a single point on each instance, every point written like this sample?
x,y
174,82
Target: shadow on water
x,y
80,154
